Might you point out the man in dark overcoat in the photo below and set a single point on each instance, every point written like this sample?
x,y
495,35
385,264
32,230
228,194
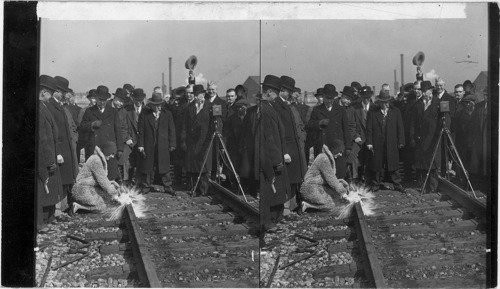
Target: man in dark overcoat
x,y
312,135
384,137
249,162
270,148
118,103
103,123
296,169
84,137
329,121
231,101
156,139
134,110
349,96
360,113
424,131
213,98
66,157
177,157
232,133
49,186
197,131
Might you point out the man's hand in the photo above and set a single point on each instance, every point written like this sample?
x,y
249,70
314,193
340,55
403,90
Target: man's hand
x,y
141,149
60,159
96,124
52,168
370,147
358,140
288,159
171,149
324,122
129,142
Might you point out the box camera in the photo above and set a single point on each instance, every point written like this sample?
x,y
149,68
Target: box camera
x,y
444,106
217,110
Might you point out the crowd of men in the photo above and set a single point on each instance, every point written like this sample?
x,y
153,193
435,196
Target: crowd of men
x,y
265,147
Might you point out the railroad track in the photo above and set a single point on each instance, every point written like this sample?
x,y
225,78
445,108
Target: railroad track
x,y
192,242
413,240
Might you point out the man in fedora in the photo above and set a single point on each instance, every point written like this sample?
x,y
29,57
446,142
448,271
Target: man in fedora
x,y
129,88
66,158
197,131
84,137
213,98
424,128
293,155
348,94
231,99
118,103
330,122
49,188
103,123
359,143
384,137
134,110
156,139
443,95
270,150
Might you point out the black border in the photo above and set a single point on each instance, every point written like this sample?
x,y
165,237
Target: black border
x,y
20,72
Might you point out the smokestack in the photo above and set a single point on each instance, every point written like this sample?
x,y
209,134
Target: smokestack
x,y
402,71
163,86
170,75
396,84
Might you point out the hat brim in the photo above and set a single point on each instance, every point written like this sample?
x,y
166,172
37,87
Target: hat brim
x,y
382,99
365,96
104,97
63,89
270,86
156,102
292,89
199,91
49,87
427,88
351,96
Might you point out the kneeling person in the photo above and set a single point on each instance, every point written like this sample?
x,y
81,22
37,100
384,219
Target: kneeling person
x,y
321,189
92,190
156,139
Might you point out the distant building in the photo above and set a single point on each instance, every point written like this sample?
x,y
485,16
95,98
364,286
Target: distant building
x,y
253,85
481,83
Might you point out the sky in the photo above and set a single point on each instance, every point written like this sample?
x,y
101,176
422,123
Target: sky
x,y
313,52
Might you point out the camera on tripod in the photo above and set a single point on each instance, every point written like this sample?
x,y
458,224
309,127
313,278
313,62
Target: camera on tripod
x,y
217,110
444,106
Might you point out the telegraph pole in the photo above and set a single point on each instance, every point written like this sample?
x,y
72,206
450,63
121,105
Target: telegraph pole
x,y
170,75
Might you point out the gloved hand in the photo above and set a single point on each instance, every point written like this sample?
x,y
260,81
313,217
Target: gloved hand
x,y
96,124
287,158
60,159
358,140
119,154
324,122
278,169
129,142
52,168
171,149
369,147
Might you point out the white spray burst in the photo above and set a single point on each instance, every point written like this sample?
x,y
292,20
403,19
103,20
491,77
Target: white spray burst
x,y
358,194
125,197
431,75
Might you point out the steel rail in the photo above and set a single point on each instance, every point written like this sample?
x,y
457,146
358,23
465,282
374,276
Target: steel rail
x,y
144,263
237,204
372,268
461,197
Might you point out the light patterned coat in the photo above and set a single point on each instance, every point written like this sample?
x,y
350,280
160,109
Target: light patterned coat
x,y
92,188
321,187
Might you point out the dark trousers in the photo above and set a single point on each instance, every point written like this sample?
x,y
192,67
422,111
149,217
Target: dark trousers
x,y
202,187
45,215
270,221
375,178
177,174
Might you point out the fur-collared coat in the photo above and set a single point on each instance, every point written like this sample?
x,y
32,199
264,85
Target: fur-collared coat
x,y
92,188
321,187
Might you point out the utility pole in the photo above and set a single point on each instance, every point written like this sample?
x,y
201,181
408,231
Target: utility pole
x,y
396,84
163,86
170,75
402,71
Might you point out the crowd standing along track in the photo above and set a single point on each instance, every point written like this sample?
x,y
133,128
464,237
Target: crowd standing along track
x,y
184,242
413,240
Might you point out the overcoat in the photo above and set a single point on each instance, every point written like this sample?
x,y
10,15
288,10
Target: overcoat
x,y
64,142
270,149
110,130
337,128
47,155
125,132
386,138
360,118
249,165
480,162
197,131
424,131
296,169
179,115
132,119
155,135
354,132
232,132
